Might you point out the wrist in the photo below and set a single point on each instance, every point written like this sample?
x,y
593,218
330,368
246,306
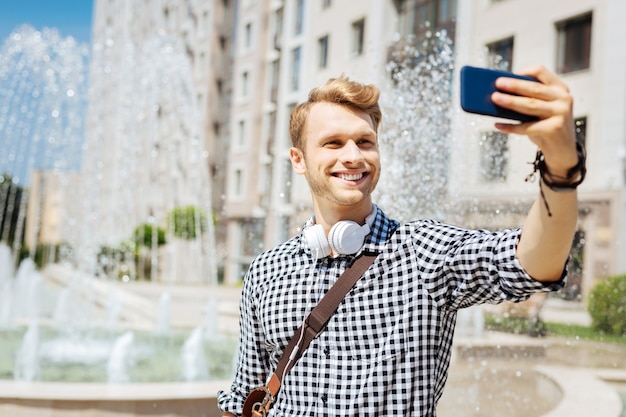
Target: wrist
x,y
572,179
560,182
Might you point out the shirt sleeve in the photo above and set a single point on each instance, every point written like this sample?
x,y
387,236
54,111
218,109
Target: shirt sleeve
x,y
462,267
251,369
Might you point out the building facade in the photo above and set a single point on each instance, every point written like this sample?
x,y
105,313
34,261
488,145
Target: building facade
x,y
284,48
254,60
157,136
578,40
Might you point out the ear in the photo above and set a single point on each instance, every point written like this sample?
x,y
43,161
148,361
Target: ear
x,y
297,160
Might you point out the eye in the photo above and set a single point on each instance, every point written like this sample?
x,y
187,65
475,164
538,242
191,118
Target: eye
x,y
332,143
365,142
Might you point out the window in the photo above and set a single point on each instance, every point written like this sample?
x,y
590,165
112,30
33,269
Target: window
x,y
265,185
274,75
271,132
417,17
446,17
206,22
299,17
581,130
446,11
241,133
501,54
287,184
244,84
494,156
200,100
323,51
295,69
252,237
574,44
248,35
358,36
278,28
238,183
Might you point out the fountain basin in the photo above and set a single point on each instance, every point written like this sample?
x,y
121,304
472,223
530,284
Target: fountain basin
x,y
36,399
86,358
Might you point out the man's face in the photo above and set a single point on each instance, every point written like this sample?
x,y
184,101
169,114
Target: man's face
x,y
340,159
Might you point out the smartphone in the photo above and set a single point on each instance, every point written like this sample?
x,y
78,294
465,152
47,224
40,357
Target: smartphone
x,y
477,85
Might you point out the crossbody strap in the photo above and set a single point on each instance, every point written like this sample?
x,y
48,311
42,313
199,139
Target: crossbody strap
x,y
317,319
260,399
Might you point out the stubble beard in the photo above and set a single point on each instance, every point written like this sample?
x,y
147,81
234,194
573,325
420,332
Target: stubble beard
x,y
325,190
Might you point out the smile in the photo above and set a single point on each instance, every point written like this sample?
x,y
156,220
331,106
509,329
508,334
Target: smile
x,y
350,177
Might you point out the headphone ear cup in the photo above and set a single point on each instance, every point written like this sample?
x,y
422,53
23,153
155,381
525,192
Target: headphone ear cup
x,y
316,239
346,237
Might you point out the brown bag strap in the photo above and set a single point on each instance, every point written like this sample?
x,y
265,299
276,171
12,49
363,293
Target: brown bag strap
x,y
317,319
260,399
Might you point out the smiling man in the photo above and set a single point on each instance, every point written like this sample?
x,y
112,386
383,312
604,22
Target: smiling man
x,y
339,159
386,349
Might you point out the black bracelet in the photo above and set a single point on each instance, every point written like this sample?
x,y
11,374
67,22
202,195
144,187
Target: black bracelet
x,y
556,182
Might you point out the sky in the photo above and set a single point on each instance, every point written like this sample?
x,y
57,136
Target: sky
x,y
70,17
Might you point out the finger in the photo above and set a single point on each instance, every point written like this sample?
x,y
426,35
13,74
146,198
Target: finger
x,y
526,105
513,128
528,88
543,75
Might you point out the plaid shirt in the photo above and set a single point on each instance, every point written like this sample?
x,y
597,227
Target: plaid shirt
x,y
386,350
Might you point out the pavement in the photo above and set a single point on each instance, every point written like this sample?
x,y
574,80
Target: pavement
x,y
556,310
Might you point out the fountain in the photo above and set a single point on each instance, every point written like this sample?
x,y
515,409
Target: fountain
x,y
193,359
125,188
163,320
27,358
417,106
125,178
119,359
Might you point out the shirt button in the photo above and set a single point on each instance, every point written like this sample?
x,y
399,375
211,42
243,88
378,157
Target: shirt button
x,y
325,398
327,352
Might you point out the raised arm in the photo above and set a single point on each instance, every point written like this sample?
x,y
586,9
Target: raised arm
x,y
549,228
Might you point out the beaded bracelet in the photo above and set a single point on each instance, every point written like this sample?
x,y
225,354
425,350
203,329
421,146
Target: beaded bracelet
x,y
555,182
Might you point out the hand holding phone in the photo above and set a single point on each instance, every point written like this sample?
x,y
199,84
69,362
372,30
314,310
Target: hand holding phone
x,y
477,86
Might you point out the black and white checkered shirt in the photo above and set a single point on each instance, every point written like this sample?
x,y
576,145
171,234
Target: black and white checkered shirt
x,y
386,350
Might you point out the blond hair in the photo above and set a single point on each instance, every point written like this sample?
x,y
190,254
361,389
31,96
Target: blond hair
x,y
341,91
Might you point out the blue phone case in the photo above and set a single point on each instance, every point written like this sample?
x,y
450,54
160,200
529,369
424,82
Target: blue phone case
x,y
477,85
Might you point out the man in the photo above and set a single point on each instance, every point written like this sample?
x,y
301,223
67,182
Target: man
x,y
386,350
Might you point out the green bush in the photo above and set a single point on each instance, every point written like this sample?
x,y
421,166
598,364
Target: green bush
x,y
185,222
118,261
607,305
44,253
142,235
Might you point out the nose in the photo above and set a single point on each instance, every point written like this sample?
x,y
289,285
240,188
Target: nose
x,y
351,153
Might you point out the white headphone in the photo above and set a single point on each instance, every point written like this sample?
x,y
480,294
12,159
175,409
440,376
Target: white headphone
x,y
345,237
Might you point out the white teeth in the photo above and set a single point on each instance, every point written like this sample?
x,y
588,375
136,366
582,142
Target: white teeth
x,y
351,177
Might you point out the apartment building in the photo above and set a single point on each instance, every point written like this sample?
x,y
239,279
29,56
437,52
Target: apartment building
x,y
286,47
283,49
157,68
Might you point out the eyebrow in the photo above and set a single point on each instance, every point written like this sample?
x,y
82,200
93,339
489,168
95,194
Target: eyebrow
x,y
358,134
